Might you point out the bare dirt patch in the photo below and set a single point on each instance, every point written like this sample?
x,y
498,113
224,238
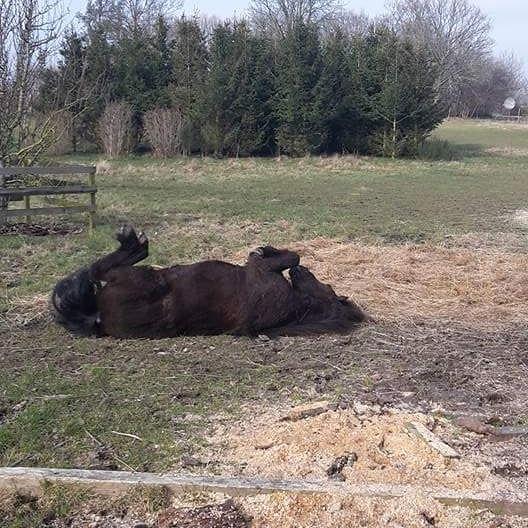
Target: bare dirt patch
x,y
40,229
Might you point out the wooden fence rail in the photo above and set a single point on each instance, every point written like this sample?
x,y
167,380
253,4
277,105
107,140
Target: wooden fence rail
x,y
21,183
31,480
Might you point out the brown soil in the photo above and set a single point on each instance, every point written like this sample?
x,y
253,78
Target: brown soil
x,y
223,515
34,229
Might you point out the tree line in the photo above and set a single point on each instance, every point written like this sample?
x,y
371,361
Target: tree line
x,y
295,78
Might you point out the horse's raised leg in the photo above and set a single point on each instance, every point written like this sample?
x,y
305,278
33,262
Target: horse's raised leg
x,y
274,259
132,249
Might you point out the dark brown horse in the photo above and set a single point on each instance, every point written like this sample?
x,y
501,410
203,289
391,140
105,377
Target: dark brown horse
x,y
112,297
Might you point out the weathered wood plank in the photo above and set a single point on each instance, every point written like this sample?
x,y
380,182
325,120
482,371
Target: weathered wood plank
x,y
512,431
431,439
30,480
46,211
58,169
43,191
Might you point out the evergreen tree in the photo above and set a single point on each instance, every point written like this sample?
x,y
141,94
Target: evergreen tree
x,y
66,87
243,92
401,101
101,77
218,93
188,79
162,68
236,108
299,66
250,87
335,103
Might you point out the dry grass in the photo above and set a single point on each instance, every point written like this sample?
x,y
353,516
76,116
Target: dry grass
x,y
483,287
23,311
520,218
507,151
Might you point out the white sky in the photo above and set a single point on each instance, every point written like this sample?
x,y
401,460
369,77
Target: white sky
x,y
509,17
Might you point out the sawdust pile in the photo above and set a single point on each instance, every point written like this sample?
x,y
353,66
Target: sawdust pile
x,y
485,287
386,451
310,511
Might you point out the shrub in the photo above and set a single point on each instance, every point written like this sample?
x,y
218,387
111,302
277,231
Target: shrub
x,y
115,129
163,127
437,150
61,124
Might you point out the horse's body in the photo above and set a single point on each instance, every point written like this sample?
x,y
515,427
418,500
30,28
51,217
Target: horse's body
x,y
112,297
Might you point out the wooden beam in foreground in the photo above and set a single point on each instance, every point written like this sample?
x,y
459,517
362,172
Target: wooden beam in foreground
x,y
30,480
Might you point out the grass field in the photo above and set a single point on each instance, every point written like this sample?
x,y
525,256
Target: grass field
x,y
64,400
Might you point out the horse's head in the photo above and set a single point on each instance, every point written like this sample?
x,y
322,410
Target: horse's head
x,y
322,303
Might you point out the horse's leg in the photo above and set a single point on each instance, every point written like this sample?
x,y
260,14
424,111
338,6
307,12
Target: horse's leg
x,y
132,249
274,259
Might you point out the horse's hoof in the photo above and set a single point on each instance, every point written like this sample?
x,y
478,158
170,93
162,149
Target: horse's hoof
x,y
259,252
126,234
142,238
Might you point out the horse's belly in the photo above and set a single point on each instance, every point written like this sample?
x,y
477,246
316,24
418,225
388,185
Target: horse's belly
x,y
143,312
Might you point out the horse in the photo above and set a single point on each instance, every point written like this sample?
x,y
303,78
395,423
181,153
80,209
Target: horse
x,y
113,297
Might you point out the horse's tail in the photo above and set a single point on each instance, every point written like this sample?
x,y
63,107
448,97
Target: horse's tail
x,y
74,303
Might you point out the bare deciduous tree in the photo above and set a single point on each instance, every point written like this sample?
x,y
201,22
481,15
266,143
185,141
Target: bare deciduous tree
x,y
456,33
28,32
352,24
115,128
163,127
281,15
494,79
126,18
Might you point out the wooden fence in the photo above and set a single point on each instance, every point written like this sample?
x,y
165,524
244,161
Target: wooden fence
x,y
21,183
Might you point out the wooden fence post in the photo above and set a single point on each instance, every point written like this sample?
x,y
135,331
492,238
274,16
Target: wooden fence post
x,y
91,214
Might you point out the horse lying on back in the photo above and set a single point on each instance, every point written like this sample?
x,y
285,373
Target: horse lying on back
x,y
113,298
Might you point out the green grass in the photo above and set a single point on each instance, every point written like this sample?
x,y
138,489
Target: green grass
x,y
190,207
481,134
62,398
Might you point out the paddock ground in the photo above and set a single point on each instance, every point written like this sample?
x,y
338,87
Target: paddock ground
x,y
437,251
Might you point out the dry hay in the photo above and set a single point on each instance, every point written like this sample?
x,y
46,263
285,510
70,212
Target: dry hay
x,y
520,218
505,241
485,287
22,312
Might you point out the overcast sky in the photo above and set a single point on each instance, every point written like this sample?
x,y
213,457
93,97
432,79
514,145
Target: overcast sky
x,y
509,17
